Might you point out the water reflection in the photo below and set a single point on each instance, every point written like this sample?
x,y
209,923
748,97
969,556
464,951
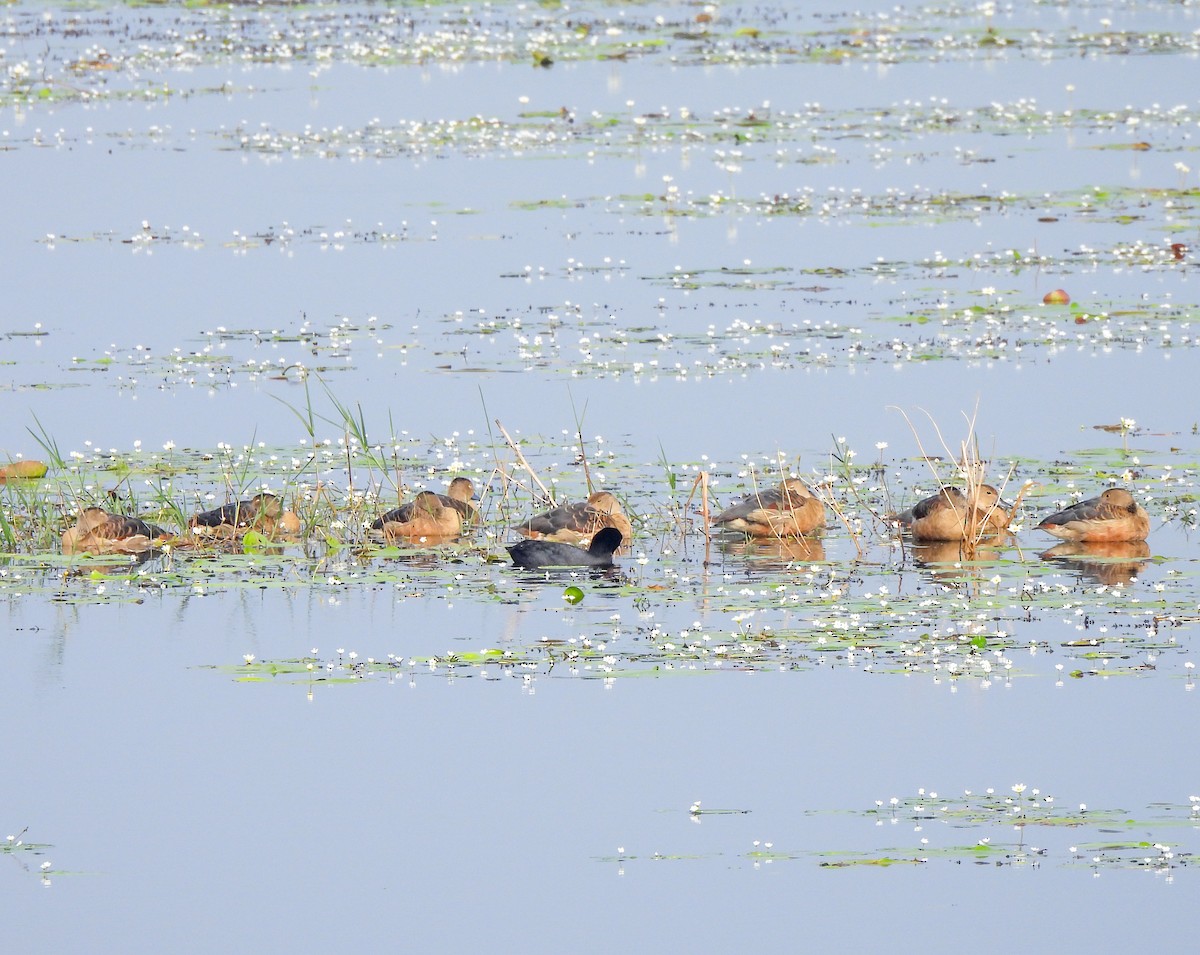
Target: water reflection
x,y
767,553
952,562
428,553
1115,563
143,562
606,578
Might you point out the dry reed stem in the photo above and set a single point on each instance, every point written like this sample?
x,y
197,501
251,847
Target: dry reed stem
x,y
1027,486
525,464
970,465
702,483
587,474
507,481
829,501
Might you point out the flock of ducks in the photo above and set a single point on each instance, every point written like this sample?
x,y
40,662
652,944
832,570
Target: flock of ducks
x,y
98,531
791,510
950,515
555,538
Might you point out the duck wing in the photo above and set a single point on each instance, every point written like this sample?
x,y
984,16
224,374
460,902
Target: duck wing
x,y
1089,510
768,500
237,514
565,517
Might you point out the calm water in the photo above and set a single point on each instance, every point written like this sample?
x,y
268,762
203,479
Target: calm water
x,y
186,260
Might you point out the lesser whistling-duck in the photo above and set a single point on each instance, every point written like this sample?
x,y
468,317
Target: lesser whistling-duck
x,y
1113,516
571,523
427,516
950,515
789,510
97,531
460,496
264,513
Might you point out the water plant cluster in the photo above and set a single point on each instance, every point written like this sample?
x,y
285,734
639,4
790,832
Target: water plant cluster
x,y
732,136
1016,826
82,54
733,166
988,324
23,853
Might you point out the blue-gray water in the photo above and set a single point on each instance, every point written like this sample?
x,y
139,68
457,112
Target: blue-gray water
x,y
188,811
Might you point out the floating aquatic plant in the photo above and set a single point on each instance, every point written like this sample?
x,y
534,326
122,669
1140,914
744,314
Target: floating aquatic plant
x,y
15,847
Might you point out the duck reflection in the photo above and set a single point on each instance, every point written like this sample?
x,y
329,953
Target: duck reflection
x,y
774,553
953,561
1115,563
112,567
426,553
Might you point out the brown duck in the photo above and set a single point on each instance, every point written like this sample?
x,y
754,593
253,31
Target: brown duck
x,y
426,517
460,496
571,523
96,531
263,512
950,516
1113,516
789,510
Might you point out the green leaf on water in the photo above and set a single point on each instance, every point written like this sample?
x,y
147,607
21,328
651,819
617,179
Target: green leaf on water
x,y
572,595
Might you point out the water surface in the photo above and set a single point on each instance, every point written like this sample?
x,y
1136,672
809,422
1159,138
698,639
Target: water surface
x,y
704,249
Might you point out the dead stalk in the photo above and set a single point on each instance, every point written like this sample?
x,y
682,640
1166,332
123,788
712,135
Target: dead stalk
x,y
971,467
702,483
525,464
587,474
830,501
